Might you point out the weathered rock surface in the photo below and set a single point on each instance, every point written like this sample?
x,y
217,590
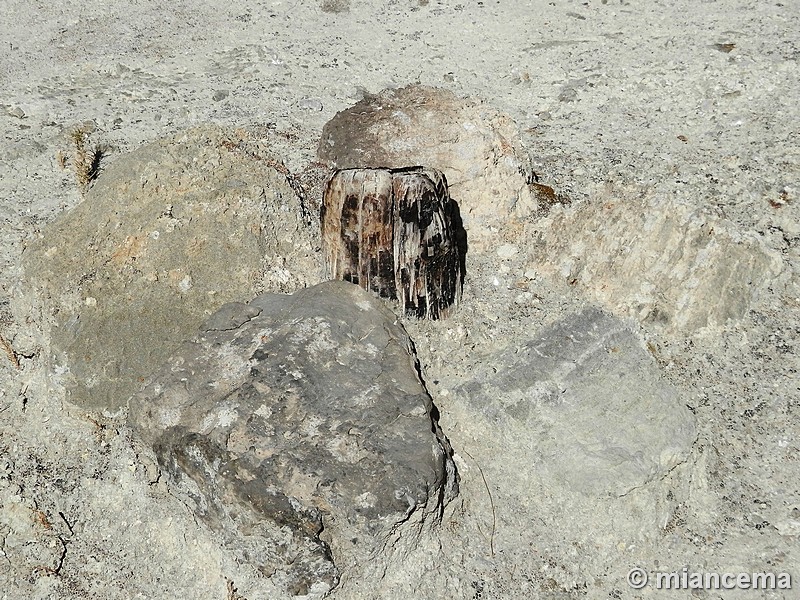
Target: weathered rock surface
x,y
658,260
167,235
477,148
398,233
300,430
585,406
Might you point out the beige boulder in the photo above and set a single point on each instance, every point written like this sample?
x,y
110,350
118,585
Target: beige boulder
x,y
664,262
477,148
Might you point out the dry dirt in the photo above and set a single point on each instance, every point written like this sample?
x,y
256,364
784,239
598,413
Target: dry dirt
x,y
684,109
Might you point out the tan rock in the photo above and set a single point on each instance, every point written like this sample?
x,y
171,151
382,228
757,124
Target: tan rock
x,y
477,148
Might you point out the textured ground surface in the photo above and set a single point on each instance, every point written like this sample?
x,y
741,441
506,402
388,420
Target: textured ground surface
x,y
652,105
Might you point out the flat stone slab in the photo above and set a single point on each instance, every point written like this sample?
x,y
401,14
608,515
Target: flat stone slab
x,y
663,262
585,405
299,429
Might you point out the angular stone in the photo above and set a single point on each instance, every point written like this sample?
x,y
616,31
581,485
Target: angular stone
x,y
168,234
300,430
584,404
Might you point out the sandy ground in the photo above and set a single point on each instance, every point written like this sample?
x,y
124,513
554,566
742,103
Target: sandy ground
x,y
694,101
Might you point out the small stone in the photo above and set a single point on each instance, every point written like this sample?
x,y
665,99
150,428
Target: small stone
x,y
312,104
530,274
523,298
507,251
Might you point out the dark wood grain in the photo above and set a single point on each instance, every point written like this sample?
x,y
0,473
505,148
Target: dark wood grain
x,y
395,232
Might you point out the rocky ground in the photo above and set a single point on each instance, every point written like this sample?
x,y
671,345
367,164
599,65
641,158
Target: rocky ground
x,y
668,135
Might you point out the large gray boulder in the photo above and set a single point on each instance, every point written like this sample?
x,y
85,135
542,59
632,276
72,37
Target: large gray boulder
x,y
583,405
298,428
168,234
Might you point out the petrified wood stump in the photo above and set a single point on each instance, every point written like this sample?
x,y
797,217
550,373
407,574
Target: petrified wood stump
x,y
398,233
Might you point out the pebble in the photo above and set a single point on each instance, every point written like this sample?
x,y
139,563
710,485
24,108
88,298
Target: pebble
x,y
507,251
523,298
313,104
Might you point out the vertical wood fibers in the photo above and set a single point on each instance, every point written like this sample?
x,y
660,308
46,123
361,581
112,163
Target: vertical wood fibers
x,y
392,231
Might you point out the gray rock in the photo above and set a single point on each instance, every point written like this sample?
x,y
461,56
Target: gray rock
x,y
168,234
584,403
300,430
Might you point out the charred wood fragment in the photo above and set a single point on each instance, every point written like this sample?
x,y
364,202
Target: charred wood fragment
x,y
396,232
